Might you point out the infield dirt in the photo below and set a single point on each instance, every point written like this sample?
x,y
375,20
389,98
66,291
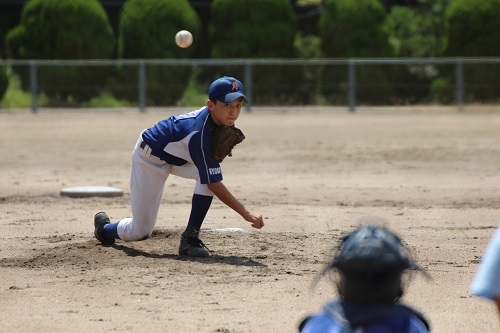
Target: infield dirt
x,y
315,173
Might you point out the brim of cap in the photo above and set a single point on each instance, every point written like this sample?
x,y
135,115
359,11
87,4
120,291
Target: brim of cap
x,y
231,97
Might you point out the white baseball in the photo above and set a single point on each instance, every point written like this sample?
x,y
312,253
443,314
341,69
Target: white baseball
x,y
183,38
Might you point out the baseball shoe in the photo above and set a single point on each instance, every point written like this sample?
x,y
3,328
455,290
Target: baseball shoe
x,y
192,246
100,220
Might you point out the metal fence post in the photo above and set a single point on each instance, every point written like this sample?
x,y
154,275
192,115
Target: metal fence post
x,y
351,85
460,84
34,86
248,84
142,86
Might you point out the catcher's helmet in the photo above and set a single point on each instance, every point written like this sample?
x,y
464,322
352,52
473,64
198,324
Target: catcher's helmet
x,y
371,261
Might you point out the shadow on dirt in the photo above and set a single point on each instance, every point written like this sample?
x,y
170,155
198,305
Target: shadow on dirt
x,y
213,259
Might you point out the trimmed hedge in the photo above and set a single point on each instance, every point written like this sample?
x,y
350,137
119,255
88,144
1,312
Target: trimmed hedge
x,y
147,31
415,33
473,30
259,29
4,80
63,29
355,29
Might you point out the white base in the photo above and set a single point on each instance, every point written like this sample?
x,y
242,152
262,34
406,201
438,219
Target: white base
x,y
225,230
91,191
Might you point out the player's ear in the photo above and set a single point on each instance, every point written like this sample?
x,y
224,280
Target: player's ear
x,y
210,104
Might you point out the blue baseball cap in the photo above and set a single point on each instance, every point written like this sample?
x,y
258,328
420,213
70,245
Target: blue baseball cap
x,y
226,89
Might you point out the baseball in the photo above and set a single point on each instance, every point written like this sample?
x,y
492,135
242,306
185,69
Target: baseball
x,y
183,38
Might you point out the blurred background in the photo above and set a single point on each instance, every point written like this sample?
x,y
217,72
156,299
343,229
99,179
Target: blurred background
x,y
122,53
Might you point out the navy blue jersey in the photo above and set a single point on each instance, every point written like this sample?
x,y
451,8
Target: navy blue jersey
x,y
338,317
185,138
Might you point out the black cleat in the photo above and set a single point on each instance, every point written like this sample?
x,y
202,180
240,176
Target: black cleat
x,y
192,246
100,220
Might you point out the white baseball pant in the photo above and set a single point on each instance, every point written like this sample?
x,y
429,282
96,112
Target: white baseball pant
x,y
147,182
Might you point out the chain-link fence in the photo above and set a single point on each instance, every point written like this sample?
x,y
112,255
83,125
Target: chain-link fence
x,y
273,82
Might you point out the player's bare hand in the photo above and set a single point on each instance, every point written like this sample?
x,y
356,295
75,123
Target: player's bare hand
x,y
256,219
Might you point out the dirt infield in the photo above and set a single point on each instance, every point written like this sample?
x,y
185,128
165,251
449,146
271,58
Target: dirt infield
x,y
434,175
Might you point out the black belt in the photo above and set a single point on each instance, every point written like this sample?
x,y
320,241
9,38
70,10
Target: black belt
x,y
170,159
144,144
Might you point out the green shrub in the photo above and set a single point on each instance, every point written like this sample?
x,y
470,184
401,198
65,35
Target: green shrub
x,y
63,29
415,33
147,31
442,90
16,98
355,29
473,30
106,100
259,29
4,80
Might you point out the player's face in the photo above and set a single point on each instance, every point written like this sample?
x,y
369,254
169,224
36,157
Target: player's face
x,y
225,114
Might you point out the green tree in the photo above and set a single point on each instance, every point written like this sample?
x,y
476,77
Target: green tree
x,y
416,32
4,80
472,30
147,31
355,29
259,29
63,29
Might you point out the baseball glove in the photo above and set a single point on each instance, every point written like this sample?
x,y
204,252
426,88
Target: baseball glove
x,y
224,139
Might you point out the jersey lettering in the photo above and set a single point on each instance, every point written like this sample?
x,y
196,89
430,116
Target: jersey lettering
x,y
214,171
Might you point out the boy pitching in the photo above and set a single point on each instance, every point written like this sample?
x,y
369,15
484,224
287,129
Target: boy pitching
x,y
180,145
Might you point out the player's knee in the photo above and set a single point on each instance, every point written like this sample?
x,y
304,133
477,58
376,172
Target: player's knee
x,y
140,235
144,237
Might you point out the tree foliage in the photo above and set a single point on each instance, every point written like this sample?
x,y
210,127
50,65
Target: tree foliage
x,y
473,30
416,32
63,29
148,28
259,29
147,31
355,29
239,29
4,80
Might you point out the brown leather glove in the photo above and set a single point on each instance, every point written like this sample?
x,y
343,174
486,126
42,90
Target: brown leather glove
x,y
224,139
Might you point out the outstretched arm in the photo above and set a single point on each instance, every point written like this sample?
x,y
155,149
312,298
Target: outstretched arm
x,y
220,190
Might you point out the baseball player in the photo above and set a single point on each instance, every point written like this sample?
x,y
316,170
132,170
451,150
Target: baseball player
x,y
180,146
486,283
371,261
